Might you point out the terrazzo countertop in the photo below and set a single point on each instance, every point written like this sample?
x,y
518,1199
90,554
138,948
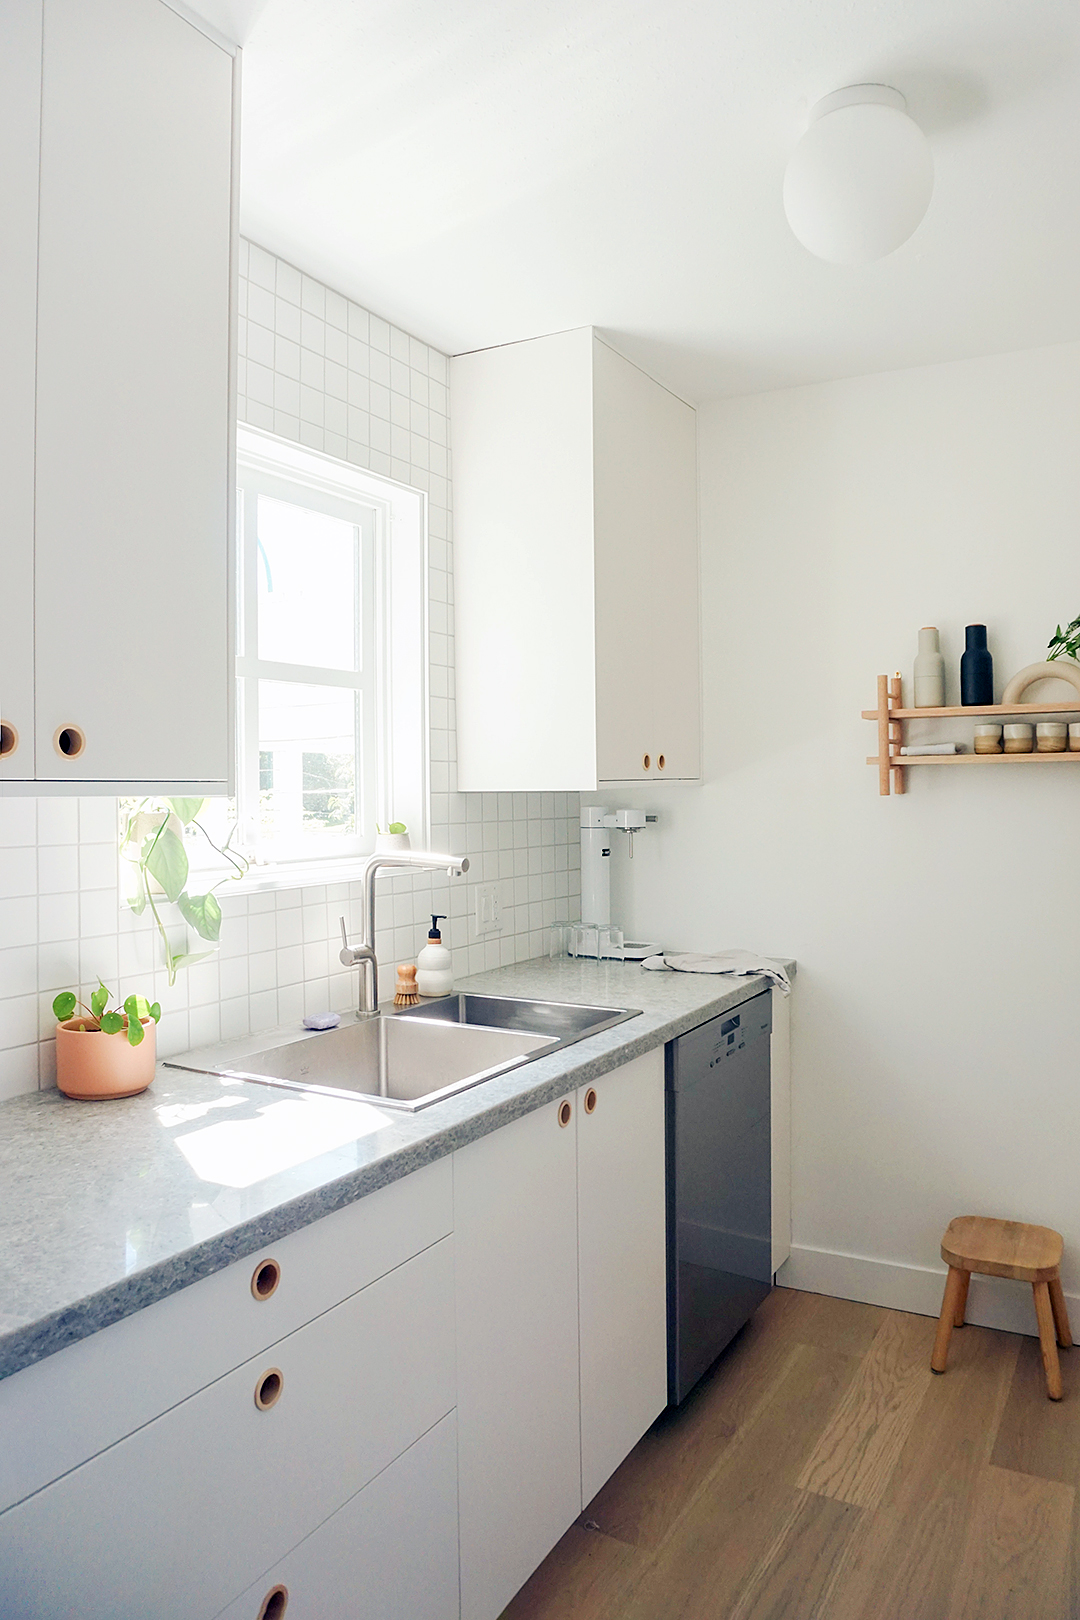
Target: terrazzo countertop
x,y
110,1206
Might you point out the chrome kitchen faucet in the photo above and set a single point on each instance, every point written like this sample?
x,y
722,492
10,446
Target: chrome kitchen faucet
x,y
363,955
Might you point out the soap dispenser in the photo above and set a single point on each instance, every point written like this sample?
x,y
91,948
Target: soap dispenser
x,y
434,976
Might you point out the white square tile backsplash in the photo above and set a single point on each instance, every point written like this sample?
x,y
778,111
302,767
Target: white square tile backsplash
x,y
318,369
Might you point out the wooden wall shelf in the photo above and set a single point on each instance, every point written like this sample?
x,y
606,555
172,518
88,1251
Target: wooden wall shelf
x,y
890,717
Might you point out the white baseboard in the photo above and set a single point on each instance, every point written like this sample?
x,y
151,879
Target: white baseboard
x,y
993,1301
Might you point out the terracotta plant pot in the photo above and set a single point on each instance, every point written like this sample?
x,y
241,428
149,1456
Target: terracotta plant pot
x,y
91,1065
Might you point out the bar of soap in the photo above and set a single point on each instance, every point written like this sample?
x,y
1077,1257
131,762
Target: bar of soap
x,y
322,1021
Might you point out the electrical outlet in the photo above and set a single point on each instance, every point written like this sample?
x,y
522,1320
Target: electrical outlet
x,y
487,909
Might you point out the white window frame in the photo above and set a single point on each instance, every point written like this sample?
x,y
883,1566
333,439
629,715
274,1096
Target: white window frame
x,y
393,521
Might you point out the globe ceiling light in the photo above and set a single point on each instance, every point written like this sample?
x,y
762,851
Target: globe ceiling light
x,y
860,180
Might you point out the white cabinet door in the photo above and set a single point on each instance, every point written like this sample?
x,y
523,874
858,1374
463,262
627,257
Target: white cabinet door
x,y
133,396
647,662
180,1517
389,1554
515,1235
521,419
20,118
622,1263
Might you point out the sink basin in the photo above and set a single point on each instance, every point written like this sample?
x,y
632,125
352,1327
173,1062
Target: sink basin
x,y
564,1020
417,1056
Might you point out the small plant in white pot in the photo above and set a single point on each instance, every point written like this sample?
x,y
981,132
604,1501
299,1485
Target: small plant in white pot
x,y
396,836
103,1052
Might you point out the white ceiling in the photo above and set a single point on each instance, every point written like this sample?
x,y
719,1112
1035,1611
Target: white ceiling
x,y
485,170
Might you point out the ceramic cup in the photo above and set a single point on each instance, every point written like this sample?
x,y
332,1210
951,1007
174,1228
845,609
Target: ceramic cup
x,y
988,739
1074,737
1018,738
1051,736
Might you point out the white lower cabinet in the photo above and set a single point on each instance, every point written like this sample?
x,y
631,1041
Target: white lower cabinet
x,y
296,1442
183,1515
622,1264
559,1232
515,1235
391,1553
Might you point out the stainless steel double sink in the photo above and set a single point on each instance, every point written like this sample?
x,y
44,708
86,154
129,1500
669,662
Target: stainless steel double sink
x,y
417,1056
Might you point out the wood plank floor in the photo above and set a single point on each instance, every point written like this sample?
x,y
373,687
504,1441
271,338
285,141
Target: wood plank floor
x,y
821,1472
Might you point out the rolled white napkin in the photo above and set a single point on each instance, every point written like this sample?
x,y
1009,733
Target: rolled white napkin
x,y
934,748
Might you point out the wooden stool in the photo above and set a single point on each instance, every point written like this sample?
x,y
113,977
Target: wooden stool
x,y
1005,1249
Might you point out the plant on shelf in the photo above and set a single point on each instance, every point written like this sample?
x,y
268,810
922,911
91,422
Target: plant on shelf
x,y
152,842
395,837
1064,643
136,1009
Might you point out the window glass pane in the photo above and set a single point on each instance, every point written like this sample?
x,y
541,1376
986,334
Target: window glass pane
x,y
308,579
307,762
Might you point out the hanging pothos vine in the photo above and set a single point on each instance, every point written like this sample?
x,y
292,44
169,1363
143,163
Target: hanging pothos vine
x,y
152,842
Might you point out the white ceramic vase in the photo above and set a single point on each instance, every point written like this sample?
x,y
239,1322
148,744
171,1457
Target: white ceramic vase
x,y
391,843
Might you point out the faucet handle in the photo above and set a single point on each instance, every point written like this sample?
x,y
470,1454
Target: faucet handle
x,y
345,955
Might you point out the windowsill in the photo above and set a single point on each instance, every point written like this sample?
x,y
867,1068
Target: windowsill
x,y
289,875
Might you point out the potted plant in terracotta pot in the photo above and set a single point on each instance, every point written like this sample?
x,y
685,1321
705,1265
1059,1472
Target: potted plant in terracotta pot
x,y
103,1052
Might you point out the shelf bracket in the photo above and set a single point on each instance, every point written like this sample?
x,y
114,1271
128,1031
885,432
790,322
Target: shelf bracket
x,y
890,736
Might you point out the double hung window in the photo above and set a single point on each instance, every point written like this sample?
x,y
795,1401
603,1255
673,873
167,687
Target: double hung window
x,y
331,663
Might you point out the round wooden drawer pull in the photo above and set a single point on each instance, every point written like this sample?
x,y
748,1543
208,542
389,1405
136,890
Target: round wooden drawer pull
x,y
274,1603
590,1101
9,739
646,762
564,1113
69,742
268,1389
265,1278
660,762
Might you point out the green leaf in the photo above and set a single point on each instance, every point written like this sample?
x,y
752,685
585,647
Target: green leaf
x,y
187,959
155,1012
99,1001
203,913
186,809
137,1007
166,860
135,1032
137,901
64,1005
112,1023
397,827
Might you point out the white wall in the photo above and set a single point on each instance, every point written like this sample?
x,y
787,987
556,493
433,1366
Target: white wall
x,y
938,935
318,369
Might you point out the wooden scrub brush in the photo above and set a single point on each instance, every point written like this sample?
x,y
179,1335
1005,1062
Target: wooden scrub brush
x,y
406,994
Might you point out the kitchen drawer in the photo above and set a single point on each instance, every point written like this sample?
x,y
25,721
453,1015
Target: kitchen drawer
x,y
180,1517
390,1553
65,1409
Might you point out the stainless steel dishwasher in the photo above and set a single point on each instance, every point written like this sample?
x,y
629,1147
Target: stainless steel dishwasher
x,y
719,1186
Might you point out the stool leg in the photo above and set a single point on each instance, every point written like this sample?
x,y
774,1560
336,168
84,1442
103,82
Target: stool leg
x,y
961,1304
954,1287
1061,1314
1047,1340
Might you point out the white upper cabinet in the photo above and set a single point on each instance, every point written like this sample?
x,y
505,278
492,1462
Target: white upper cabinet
x,y
131,215
20,119
576,569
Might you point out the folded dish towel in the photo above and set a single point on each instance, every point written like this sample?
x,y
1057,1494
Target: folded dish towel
x,y
738,964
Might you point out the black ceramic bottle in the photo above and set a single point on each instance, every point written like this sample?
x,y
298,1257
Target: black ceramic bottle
x,y
976,667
